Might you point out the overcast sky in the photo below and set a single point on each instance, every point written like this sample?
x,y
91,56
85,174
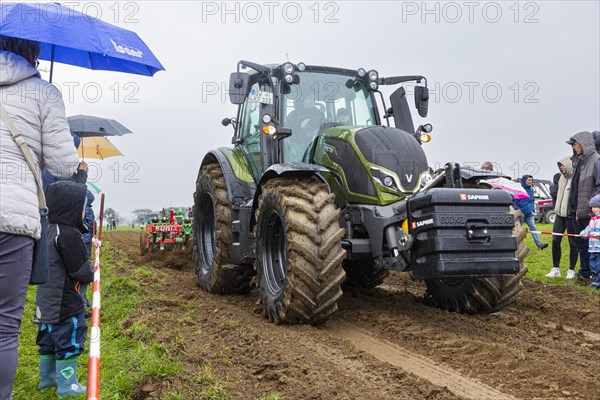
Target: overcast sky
x,y
510,81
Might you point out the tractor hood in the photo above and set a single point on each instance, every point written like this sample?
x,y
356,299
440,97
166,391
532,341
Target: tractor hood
x,y
375,161
394,150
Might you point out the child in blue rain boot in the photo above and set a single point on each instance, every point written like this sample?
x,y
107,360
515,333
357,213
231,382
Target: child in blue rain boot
x,y
592,232
62,331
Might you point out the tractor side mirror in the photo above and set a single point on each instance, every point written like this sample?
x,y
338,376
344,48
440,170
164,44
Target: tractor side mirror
x,y
238,87
422,100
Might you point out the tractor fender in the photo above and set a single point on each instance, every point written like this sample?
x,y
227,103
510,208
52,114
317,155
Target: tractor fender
x,y
300,170
239,191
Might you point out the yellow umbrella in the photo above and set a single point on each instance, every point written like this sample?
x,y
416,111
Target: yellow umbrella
x,y
97,147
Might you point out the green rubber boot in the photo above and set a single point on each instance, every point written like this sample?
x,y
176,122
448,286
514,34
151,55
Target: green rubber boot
x,y
47,372
66,378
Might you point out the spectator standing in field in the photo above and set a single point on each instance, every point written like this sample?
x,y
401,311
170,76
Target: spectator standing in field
x,y
562,221
527,206
59,307
554,184
37,110
585,184
592,231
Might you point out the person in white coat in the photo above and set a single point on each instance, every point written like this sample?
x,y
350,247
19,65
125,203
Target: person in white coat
x,y
38,112
563,222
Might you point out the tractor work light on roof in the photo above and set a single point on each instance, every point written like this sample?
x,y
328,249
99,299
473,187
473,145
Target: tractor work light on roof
x,y
288,68
289,78
373,75
301,66
373,85
361,72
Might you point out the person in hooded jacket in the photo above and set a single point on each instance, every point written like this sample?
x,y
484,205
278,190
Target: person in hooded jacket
x,y
59,307
38,112
527,207
562,222
585,184
554,187
89,223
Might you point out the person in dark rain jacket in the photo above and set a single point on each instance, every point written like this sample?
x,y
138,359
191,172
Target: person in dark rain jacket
x,y
62,330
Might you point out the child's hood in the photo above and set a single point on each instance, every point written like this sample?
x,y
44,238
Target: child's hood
x,y
65,201
90,198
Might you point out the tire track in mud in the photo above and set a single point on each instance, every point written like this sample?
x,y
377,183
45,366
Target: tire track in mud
x,y
418,365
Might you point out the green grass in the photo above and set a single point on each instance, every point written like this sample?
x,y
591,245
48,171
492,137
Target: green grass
x,y
539,262
128,354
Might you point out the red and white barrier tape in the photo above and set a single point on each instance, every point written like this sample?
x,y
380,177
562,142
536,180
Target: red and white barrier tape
x,y
93,385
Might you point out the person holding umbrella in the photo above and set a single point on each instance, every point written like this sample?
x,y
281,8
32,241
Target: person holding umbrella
x,y
43,126
526,205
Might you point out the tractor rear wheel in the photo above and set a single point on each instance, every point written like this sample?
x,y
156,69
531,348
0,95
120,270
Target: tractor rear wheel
x,y
298,251
212,236
475,295
362,274
144,243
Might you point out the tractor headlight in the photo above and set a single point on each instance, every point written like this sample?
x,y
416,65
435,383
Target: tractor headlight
x,y
289,78
384,178
373,85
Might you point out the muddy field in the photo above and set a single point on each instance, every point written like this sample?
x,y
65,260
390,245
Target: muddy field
x,y
385,343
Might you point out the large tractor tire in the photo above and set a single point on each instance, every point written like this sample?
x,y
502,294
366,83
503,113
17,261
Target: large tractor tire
x,y
212,236
361,274
298,251
144,243
481,295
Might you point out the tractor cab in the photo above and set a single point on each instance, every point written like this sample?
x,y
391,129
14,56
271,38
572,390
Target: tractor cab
x,y
284,108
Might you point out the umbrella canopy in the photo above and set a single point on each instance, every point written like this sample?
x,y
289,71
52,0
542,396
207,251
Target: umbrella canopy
x,y
512,187
97,147
70,37
87,125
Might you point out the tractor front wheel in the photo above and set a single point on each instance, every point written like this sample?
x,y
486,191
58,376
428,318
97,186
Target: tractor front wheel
x,y
212,236
481,295
298,251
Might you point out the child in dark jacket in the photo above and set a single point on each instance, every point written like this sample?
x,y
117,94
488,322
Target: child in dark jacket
x,y
62,331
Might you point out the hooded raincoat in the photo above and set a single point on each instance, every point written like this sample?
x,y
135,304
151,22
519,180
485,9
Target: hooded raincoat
x,y
588,181
564,188
59,298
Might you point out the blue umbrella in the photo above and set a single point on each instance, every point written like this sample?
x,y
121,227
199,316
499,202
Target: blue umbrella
x,y
70,37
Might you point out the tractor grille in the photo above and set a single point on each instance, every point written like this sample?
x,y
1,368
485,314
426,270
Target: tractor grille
x,y
395,150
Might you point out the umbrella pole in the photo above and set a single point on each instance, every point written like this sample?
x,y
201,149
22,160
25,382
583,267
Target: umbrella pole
x,y
51,63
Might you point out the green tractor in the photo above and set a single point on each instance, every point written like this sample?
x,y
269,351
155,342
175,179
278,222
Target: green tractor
x,y
317,195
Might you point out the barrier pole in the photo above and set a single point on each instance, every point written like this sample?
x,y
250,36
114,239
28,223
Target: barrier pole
x,y
93,385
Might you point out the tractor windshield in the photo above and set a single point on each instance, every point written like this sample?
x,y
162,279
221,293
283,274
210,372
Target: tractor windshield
x,y
319,99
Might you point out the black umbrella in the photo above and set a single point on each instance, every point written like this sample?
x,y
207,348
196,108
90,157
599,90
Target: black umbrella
x,y
87,125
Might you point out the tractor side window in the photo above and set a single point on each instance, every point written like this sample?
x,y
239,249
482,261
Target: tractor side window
x,y
250,130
